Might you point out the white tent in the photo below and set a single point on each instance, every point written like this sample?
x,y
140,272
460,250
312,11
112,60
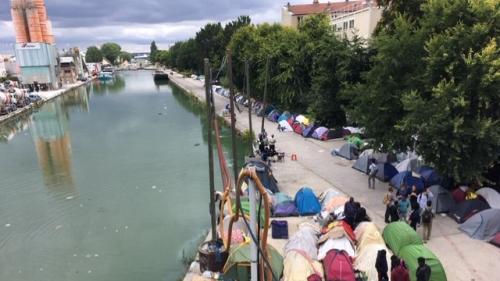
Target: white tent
x,y
338,244
491,196
410,164
285,126
365,260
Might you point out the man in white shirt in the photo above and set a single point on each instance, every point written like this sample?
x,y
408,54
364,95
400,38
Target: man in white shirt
x,y
372,172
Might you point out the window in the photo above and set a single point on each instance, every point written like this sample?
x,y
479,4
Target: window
x,y
345,25
351,24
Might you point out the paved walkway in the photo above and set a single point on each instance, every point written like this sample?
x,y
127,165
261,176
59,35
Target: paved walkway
x,y
463,258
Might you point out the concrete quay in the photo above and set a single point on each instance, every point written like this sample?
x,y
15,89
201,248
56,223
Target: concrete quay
x,y
463,258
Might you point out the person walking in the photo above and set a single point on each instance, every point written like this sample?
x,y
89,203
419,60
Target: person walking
x,y
414,217
272,146
381,266
393,212
388,201
427,218
425,197
400,272
423,271
403,207
372,169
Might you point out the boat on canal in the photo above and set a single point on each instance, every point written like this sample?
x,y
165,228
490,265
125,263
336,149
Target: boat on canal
x,y
107,73
160,75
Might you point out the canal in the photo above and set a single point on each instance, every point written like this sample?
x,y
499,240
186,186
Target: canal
x,y
108,182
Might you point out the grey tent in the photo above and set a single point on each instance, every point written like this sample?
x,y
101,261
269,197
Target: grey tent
x,y
362,164
443,201
483,225
491,196
380,157
348,151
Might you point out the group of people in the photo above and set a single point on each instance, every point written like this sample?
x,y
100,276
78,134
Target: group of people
x,y
267,147
399,270
354,213
412,207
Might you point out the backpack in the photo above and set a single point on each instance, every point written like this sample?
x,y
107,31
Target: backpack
x,y
427,216
338,266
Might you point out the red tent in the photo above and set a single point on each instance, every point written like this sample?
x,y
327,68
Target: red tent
x,y
496,240
297,128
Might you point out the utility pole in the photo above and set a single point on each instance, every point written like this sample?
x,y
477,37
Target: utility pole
x,y
233,119
249,97
210,117
264,102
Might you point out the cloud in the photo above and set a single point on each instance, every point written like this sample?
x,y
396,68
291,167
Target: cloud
x,y
135,23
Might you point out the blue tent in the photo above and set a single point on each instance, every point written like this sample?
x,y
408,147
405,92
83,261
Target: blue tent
x,y
284,116
407,179
430,176
306,202
308,131
385,171
274,115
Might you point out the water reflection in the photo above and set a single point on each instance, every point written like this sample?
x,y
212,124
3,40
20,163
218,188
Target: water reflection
x,y
11,128
51,135
113,86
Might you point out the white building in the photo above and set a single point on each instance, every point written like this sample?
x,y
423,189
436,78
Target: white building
x,y
348,18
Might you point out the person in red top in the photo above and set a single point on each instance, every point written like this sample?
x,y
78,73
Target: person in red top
x,y
400,272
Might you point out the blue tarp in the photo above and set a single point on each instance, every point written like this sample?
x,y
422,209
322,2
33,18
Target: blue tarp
x,y
284,116
409,180
306,202
274,115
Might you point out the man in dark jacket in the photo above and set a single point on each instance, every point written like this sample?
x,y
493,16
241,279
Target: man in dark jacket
x,y
423,270
350,211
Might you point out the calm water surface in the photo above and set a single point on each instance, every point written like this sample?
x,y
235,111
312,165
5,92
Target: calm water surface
x,y
108,182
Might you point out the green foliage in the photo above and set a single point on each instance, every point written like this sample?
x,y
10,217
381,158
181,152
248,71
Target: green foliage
x,y
248,136
153,52
125,56
434,86
93,55
111,51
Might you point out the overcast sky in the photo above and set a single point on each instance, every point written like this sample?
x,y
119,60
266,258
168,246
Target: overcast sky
x,y
134,23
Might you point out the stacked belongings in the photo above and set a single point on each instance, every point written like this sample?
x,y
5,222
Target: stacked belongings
x,y
337,235
301,254
333,202
370,242
406,243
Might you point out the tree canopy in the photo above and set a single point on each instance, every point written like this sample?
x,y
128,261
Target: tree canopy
x,y
111,51
93,54
153,52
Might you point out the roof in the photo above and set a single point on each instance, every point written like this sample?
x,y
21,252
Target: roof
x,y
318,8
67,60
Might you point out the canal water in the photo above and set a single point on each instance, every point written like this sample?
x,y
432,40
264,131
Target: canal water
x,y
108,182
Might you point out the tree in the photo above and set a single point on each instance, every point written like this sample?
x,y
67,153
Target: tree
x,y
111,51
153,52
125,56
209,44
93,54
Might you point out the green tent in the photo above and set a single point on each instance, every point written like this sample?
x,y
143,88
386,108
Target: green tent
x,y
398,235
355,140
411,253
238,263
245,205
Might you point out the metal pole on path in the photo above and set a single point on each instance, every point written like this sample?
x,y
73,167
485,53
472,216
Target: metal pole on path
x,y
249,97
233,119
264,102
208,90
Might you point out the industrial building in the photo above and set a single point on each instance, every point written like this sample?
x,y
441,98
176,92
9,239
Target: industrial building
x,y
35,49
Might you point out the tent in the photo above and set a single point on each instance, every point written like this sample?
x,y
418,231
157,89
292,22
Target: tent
x,y
368,236
411,253
306,202
285,209
430,176
348,151
443,201
407,178
297,128
334,134
298,267
245,206
366,258
380,157
357,141
385,171
285,126
308,131
274,115
304,240
319,132
398,235
237,266
302,120
279,198
468,208
362,164
341,244
284,116
491,196
483,225
265,175
410,164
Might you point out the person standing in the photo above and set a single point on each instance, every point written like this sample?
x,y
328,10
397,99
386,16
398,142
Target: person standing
x,y
272,146
423,270
414,217
350,211
427,218
372,169
388,200
403,207
400,272
425,197
393,212
381,266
